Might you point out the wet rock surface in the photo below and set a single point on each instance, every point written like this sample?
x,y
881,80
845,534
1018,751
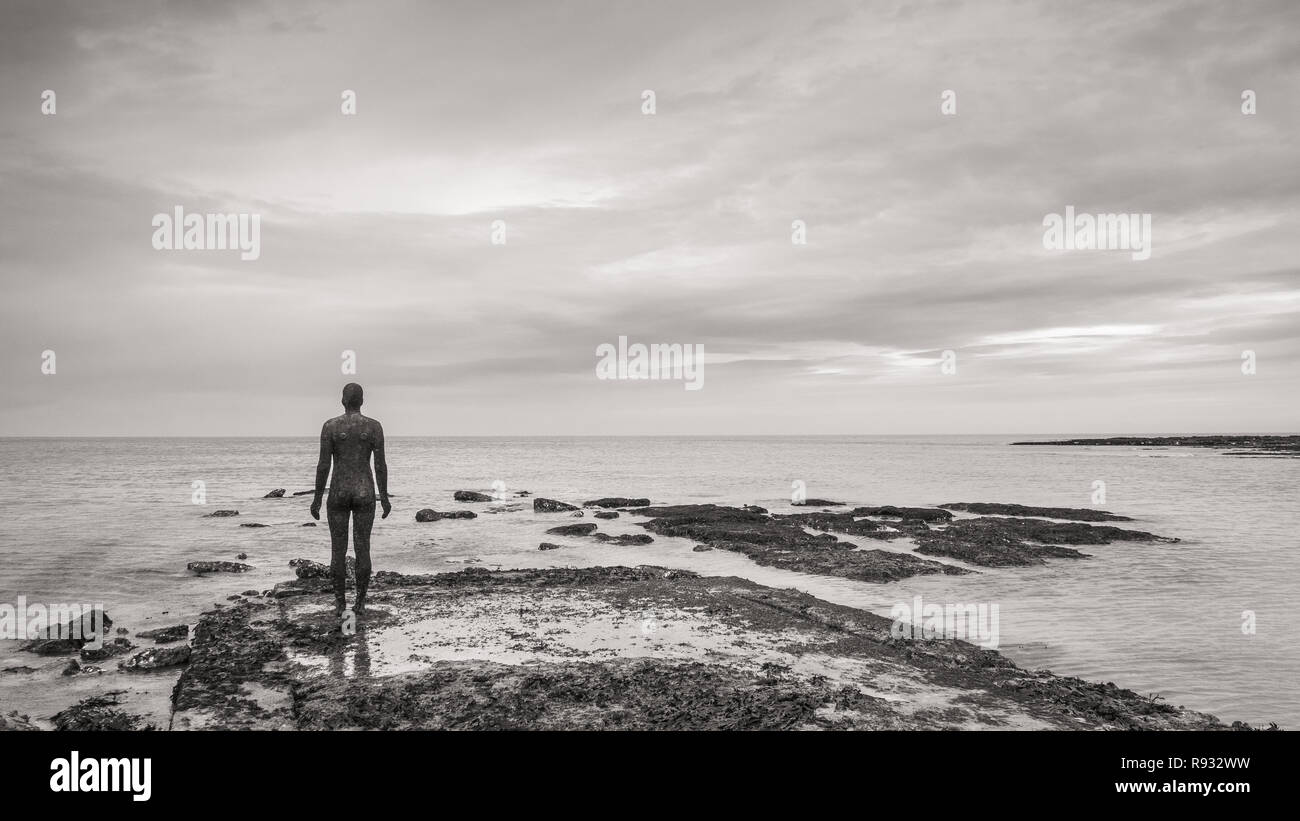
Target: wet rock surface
x,y
817,503
617,501
611,648
1078,514
221,514
543,505
99,714
217,567
605,514
624,538
923,514
278,493
155,658
428,514
471,496
584,529
782,541
1272,445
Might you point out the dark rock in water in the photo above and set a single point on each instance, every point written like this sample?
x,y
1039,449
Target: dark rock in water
x,y
217,567
1002,542
605,514
543,505
701,548
250,593
253,524
68,637
924,514
221,514
304,492
234,597
471,496
19,668
154,658
577,514
523,493
625,539
242,556
1261,443
308,569
73,668
510,508
547,546
278,493
817,503
617,501
309,524
585,529
116,647
782,542
1078,514
166,635
98,714
428,514
753,508
122,631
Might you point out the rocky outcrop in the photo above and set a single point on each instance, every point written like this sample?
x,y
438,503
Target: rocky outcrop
x,y
430,515
617,501
70,636
548,546
543,505
116,647
783,543
1078,514
471,496
203,568
309,569
278,493
605,514
625,539
1006,542
817,503
98,714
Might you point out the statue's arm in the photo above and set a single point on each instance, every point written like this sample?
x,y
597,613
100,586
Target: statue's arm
x,y
381,464
323,464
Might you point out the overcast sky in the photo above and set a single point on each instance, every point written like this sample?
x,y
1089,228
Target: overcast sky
x,y
924,231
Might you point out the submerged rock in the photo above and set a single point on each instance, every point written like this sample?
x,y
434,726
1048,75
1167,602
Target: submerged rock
x,y
278,493
253,524
471,496
817,503
309,524
428,514
1079,514
69,637
543,505
221,514
165,635
617,501
605,514
217,567
548,546
584,529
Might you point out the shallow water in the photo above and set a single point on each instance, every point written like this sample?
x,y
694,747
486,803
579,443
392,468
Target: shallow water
x,y
111,521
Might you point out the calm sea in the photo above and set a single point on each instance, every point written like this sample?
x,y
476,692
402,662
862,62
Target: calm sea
x,y
112,521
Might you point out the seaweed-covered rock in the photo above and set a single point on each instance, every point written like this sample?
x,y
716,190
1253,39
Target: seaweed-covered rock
x,y
584,529
278,493
221,514
924,514
471,496
98,714
116,647
1003,542
605,514
543,505
624,539
548,546
154,658
817,503
1078,514
308,569
617,501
